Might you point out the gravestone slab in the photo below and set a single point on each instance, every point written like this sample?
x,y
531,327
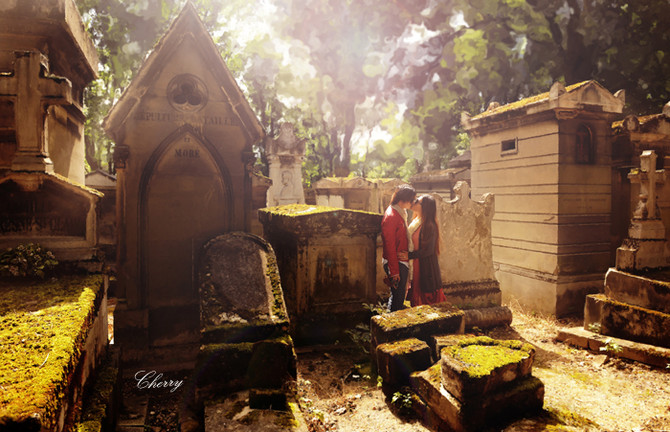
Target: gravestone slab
x,y
239,287
285,155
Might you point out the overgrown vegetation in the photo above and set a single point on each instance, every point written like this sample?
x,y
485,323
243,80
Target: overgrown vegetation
x,y
30,260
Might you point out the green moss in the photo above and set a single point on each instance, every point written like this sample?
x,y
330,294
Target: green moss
x,y
482,355
526,102
406,346
98,400
299,209
272,272
43,327
416,315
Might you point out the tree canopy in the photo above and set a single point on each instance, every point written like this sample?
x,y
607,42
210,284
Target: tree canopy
x,y
377,87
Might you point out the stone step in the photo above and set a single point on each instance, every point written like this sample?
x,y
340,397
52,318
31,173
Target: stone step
x,y
397,360
524,397
650,291
421,322
475,367
649,354
626,321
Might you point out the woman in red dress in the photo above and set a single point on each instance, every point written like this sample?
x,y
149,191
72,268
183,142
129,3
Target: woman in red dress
x,y
424,240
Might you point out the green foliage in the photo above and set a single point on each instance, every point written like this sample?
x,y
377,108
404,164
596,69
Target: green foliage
x,y
595,327
390,79
29,260
360,336
402,400
611,347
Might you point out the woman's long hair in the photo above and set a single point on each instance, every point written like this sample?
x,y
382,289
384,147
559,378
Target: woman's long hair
x,y
429,216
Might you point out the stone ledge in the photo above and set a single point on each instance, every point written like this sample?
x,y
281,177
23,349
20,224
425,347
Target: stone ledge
x,y
651,290
644,353
626,321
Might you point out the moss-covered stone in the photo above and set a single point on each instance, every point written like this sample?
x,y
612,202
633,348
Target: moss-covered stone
x,y
303,219
100,404
43,328
397,360
421,322
626,321
272,364
523,397
222,368
476,366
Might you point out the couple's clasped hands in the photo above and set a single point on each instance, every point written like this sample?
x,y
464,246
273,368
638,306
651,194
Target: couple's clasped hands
x,y
403,256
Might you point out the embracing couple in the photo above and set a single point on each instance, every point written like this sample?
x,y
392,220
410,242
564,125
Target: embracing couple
x,y
410,252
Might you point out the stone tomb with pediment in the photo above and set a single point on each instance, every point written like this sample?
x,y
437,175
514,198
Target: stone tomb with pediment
x,y
184,136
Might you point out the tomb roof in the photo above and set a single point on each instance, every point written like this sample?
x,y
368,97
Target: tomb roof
x,y
187,25
584,96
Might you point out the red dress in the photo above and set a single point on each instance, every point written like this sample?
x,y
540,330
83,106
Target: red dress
x,y
416,296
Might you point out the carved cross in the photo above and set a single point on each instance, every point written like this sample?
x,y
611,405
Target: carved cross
x,y
647,177
33,92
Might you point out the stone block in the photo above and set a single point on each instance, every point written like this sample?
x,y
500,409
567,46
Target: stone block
x,y
477,366
651,291
523,397
487,317
222,368
397,360
421,322
641,254
475,294
272,364
627,321
267,399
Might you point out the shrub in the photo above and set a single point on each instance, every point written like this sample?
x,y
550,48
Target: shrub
x,y
29,260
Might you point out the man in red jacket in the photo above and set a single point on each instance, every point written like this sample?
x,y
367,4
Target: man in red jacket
x,y
395,244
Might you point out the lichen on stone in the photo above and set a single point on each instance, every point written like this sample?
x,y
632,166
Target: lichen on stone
x,y
481,355
43,327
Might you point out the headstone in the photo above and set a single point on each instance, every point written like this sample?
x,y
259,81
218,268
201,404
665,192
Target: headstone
x,y
184,136
356,193
285,155
46,61
243,322
327,262
636,301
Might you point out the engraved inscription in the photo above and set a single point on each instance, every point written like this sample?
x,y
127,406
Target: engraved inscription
x,y
187,153
179,117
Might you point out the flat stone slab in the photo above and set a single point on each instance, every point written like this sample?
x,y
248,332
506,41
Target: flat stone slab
x,y
235,415
474,367
522,398
421,322
397,360
651,290
649,354
626,321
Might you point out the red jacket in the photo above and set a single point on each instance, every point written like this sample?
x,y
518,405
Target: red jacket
x,y
394,238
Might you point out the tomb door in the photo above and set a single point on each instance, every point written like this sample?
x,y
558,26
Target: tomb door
x,y
184,204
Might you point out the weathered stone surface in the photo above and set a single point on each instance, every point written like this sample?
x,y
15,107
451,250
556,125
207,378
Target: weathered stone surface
x,y
356,193
474,367
521,398
272,364
184,135
239,282
397,360
421,322
551,230
474,294
465,237
487,317
627,321
442,341
235,415
649,354
222,368
650,291
327,262
285,155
